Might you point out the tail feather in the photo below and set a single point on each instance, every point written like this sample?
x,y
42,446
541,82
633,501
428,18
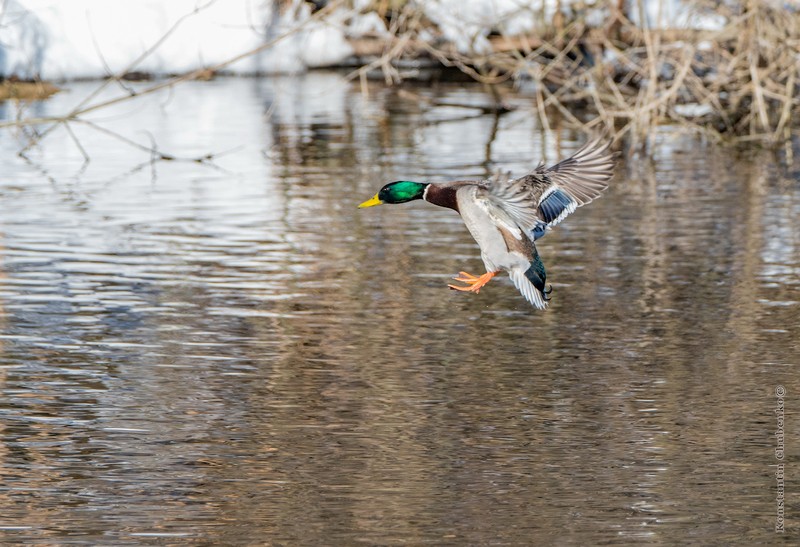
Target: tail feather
x,y
532,294
531,281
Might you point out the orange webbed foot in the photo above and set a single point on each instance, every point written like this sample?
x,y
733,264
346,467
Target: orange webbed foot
x,y
474,283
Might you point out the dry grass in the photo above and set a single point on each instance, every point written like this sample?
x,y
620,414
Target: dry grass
x,y
26,91
739,83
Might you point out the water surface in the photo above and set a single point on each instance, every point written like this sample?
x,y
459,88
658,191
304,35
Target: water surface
x,y
232,353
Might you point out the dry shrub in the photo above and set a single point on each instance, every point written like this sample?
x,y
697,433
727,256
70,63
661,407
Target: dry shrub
x,y
738,83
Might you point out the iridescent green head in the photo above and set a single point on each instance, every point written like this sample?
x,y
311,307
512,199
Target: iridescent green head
x,y
397,192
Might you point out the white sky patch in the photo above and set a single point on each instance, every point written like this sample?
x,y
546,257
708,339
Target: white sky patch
x,y
73,39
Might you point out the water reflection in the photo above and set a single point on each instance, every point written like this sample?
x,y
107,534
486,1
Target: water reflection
x,y
235,354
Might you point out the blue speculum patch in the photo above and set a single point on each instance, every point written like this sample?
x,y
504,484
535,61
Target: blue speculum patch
x,y
553,205
539,230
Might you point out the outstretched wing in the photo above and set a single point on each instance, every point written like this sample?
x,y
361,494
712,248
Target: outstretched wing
x,y
546,196
585,175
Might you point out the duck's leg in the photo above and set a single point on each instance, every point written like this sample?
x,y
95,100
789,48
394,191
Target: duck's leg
x,y
474,283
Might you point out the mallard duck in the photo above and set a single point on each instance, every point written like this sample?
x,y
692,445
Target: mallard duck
x,y
506,216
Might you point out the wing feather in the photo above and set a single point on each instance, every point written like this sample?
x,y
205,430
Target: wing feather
x,y
546,196
584,175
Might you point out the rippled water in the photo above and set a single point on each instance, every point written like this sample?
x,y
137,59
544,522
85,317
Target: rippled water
x,y
234,354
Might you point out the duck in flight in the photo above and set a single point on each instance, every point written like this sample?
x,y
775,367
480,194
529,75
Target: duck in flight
x,y
506,216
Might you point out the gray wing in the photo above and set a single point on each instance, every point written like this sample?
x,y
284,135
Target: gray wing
x,y
546,196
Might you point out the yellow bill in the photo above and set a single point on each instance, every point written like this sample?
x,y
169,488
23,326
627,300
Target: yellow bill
x,y
373,201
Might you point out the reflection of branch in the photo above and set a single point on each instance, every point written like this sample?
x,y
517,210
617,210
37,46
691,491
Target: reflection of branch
x,y
77,143
155,154
491,139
